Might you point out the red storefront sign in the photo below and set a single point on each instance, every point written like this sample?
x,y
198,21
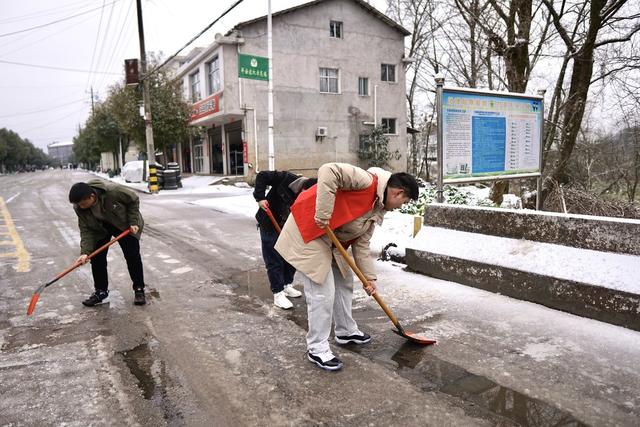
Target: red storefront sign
x,y
245,152
207,106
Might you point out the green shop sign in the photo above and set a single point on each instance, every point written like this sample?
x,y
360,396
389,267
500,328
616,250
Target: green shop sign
x,y
253,67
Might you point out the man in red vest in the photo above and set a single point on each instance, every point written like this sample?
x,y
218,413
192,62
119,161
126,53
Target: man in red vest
x,y
351,201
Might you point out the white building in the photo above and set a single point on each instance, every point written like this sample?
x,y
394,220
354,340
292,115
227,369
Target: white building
x,y
337,69
62,152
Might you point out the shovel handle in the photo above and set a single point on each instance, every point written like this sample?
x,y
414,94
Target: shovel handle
x,y
36,295
273,220
363,279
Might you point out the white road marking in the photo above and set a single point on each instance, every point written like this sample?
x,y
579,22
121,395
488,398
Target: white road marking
x,y
12,197
181,270
171,261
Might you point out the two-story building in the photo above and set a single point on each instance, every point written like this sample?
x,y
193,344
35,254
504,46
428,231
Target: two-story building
x,y
337,70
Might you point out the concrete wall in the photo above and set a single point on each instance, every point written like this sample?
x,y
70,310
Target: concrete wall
x,y
580,231
301,45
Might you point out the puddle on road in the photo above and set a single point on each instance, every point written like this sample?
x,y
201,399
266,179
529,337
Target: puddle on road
x,y
417,363
153,379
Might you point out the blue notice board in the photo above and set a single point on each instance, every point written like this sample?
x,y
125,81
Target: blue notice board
x,y
490,133
488,143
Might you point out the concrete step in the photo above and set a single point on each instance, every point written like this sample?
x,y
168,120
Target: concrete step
x,y
580,264
583,299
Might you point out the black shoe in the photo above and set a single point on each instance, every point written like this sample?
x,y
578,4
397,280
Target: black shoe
x,y
98,297
355,339
334,364
138,298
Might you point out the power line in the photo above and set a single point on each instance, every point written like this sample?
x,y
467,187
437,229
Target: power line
x,y
53,107
95,45
194,38
56,21
43,13
75,70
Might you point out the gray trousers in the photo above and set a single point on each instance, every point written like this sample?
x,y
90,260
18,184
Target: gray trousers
x,y
331,300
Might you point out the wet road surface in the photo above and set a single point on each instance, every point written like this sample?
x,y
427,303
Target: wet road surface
x,y
210,349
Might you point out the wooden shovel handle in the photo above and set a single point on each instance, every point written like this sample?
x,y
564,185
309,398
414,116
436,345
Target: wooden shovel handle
x,y
273,220
363,279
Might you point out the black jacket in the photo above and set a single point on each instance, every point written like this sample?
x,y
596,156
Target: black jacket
x,y
280,197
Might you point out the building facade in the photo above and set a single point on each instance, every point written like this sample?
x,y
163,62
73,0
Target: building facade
x,y
62,152
337,70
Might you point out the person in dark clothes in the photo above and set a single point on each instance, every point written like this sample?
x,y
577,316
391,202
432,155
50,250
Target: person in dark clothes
x,y
285,187
104,210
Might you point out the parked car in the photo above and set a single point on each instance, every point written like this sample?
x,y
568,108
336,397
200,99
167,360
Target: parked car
x,y
133,171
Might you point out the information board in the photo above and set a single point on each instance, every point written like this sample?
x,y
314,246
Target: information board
x,y
489,134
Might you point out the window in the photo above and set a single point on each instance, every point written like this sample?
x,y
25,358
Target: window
x,y
388,73
389,126
363,86
328,80
194,82
213,75
335,29
364,143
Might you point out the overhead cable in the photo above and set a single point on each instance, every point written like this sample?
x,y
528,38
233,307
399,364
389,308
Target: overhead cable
x,y
56,21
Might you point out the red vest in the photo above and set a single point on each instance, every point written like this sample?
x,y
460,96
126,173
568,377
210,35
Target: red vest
x,y
348,206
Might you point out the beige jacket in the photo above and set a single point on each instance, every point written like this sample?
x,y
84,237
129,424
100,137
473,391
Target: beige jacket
x,y
314,258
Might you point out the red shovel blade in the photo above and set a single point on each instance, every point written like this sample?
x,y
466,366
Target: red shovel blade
x,y
416,338
32,304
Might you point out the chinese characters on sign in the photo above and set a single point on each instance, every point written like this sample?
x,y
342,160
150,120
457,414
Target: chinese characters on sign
x,y
490,135
205,107
253,67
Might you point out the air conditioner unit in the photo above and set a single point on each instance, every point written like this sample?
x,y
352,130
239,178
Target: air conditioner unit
x,y
321,131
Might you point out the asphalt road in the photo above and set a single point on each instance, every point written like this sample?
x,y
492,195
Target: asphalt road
x,y
210,349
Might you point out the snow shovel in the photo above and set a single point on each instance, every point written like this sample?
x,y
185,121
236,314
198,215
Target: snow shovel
x,y
36,295
416,338
273,220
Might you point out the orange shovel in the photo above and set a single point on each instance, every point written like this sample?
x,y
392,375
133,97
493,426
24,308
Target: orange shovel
x,y
36,295
416,338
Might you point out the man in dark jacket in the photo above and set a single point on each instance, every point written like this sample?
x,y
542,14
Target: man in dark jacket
x,y
285,187
105,210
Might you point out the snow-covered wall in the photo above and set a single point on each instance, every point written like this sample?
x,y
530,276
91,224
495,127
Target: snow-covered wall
x,y
580,231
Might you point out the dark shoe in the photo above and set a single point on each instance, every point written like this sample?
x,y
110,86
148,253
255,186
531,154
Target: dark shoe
x,y
98,297
138,297
331,364
355,339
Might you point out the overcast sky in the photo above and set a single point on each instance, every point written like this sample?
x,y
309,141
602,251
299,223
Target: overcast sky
x,y
90,42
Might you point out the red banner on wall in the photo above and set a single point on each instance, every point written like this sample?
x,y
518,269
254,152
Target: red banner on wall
x,y
245,152
207,106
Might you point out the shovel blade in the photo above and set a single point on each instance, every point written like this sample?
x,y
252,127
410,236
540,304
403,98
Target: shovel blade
x,y
32,304
413,337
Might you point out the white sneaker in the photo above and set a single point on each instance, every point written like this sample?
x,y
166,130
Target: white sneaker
x,y
292,292
280,300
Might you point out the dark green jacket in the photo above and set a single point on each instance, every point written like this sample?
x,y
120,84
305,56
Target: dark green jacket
x,y
120,207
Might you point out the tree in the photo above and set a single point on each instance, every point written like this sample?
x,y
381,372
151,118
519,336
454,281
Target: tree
x,y
374,148
579,25
19,154
170,111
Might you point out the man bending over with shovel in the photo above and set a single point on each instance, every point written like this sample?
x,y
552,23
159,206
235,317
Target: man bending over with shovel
x,y
285,187
351,201
105,210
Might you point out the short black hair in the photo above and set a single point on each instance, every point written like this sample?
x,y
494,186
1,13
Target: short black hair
x,y
405,181
80,191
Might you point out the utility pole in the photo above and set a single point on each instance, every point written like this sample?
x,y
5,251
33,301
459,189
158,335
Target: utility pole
x,y
93,111
146,98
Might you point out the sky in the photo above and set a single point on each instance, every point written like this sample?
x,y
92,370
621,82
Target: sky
x,y
73,46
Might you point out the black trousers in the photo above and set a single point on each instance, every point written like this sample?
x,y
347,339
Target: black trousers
x,y
130,248
279,271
